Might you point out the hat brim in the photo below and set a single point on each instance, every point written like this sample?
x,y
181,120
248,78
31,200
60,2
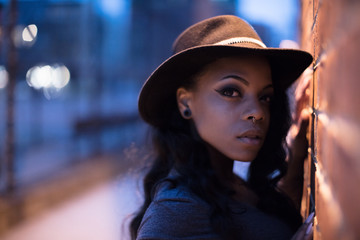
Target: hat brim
x,y
157,95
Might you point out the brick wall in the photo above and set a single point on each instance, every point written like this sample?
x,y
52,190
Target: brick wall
x,y
330,30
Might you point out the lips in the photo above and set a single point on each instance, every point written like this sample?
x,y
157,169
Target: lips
x,y
252,137
252,133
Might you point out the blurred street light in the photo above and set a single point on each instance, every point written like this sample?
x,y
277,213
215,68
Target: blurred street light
x,y
57,76
4,77
29,33
51,79
25,36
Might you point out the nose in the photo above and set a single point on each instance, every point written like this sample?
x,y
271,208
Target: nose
x,y
253,110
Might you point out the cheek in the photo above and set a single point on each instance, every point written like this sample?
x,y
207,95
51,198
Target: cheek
x,y
214,131
203,118
209,114
213,121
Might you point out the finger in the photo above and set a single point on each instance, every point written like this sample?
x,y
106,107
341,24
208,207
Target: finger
x,y
304,84
306,230
310,218
304,119
299,129
309,232
309,225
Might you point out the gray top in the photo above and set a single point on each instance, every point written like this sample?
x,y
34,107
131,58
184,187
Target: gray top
x,y
176,213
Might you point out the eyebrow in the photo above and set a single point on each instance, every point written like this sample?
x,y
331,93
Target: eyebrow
x,y
268,86
245,81
237,78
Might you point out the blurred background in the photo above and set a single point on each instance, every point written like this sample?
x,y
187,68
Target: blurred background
x,y
70,73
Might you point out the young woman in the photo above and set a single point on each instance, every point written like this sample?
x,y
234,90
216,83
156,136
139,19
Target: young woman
x,y
221,97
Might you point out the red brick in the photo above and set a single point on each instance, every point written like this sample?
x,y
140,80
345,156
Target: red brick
x,y
306,24
335,37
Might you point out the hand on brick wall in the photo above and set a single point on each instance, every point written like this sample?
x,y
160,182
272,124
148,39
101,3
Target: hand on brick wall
x,y
305,232
301,114
296,138
292,183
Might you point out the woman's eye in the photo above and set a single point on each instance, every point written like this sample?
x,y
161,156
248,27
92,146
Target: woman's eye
x,y
267,98
229,92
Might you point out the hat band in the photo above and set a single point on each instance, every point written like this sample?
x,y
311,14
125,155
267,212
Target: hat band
x,y
241,40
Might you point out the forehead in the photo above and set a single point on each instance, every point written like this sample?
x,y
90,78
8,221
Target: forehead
x,y
249,67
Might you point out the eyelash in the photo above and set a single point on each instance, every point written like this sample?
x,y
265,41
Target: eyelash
x,y
266,98
229,89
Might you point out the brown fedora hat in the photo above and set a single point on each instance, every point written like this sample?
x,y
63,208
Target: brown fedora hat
x,y
203,42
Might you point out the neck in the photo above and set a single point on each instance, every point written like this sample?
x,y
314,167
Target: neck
x,y
222,165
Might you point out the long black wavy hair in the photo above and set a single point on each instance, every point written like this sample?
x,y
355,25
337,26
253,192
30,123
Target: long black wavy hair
x,y
177,145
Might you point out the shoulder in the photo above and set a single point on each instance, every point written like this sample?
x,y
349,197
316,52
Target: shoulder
x,y
176,213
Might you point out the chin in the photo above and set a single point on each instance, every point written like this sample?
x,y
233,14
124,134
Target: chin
x,y
244,157
244,160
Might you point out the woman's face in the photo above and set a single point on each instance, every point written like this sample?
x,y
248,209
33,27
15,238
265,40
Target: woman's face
x,y
228,94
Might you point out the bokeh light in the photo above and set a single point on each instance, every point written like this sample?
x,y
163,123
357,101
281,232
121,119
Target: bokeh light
x,y
4,77
61,76
50,79
29,33
25,36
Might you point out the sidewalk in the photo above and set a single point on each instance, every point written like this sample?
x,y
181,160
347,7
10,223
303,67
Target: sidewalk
x,y
97,214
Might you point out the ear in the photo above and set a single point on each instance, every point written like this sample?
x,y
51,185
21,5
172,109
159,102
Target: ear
x,y
183,97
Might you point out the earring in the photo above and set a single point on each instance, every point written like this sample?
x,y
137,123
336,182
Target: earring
x,y
187,113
